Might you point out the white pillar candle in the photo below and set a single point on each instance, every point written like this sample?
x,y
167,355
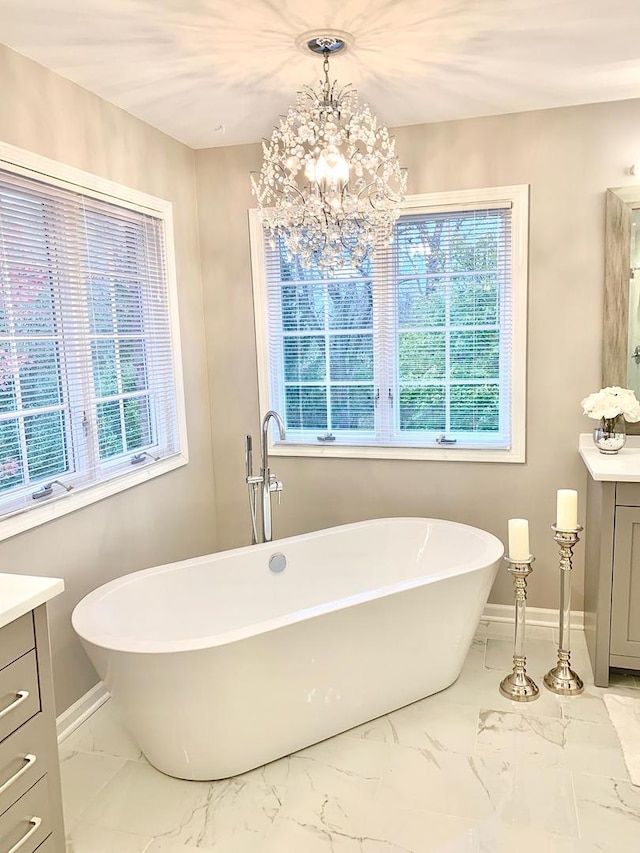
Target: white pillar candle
x,y
567,509
519,539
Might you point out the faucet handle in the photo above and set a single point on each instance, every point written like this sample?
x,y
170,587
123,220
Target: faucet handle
x,y
275,485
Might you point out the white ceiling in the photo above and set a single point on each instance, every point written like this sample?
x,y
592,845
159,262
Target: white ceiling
x,y
191,66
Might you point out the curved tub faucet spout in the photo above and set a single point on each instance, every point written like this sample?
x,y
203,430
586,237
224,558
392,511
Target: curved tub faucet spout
x,y
265,435
270,482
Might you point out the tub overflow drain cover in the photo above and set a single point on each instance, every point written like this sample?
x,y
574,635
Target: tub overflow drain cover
x,y
277,563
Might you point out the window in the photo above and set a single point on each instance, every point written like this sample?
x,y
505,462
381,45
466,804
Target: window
x,y
89,376
420,353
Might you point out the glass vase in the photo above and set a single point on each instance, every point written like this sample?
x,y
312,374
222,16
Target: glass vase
x,y
610,434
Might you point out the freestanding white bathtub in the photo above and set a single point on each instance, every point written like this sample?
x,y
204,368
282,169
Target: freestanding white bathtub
x,y
219,665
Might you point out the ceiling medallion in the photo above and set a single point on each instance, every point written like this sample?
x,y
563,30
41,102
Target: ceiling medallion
x,y
331,184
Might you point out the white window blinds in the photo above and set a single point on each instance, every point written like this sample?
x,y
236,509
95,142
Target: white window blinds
x,y
414,349
87,385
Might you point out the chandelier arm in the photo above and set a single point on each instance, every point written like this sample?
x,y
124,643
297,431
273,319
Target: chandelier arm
x,y
283,172
391,198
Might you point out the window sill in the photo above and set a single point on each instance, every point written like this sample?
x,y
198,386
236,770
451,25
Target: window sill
x,y
439,454
56,507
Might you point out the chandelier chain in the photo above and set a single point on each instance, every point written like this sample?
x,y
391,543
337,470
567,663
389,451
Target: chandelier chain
x,y
326,86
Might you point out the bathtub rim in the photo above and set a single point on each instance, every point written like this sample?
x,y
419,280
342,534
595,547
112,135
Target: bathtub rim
x,y
128,645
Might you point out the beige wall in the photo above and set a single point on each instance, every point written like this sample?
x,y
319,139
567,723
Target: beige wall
x,y
172,516
568,156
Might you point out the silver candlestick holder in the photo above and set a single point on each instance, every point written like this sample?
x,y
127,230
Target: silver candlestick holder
x,y
518,686
562,679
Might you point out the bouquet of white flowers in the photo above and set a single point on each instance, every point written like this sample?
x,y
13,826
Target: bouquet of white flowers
x,y
609,403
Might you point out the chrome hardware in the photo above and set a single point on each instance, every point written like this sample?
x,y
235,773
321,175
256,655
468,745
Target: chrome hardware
x,y
562,679
377,397
277,563
442,439
518,686
46,490
29,760
390,397
140,457
327,436
275,486
266,479
34,823
21,696
251,482
635,355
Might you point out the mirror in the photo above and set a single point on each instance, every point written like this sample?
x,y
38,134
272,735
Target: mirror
x,y
621,315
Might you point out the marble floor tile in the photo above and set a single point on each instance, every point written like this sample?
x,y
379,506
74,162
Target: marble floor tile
x,y
588,706
374,824
104,733
423,725
289,835
608,813
516,736
142,801
341,766
166,845
584,747
95,839
464,786
494,836
83,776
540,798
594,748
236,818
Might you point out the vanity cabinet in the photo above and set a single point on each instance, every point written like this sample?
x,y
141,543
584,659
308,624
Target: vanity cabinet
x,y
625,599
30,798
612,576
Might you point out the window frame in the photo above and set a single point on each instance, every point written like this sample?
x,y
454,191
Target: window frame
x,y
517,197
52,172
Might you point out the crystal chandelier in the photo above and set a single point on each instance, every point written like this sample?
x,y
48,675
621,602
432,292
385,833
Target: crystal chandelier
x,y
331,184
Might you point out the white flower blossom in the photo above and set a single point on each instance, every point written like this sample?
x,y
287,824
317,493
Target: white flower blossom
x,y
611,402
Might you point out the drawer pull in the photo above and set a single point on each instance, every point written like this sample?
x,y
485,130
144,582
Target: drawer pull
x,y
35,826
29,760
21,695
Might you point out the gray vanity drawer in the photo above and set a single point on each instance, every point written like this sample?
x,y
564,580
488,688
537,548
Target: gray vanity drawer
x,y
628,494
30,817
16,639
15,709
24,758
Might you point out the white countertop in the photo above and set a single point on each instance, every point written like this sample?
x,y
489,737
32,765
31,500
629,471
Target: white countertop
x,y
622,467
21,593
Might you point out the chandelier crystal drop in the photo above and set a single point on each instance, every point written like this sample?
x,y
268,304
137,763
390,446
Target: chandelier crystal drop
x,y
331,184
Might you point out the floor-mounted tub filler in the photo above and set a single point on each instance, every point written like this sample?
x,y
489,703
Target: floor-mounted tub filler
x,y
222,663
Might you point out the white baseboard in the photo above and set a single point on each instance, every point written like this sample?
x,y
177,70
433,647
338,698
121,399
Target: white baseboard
x,y
545,616
69,720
